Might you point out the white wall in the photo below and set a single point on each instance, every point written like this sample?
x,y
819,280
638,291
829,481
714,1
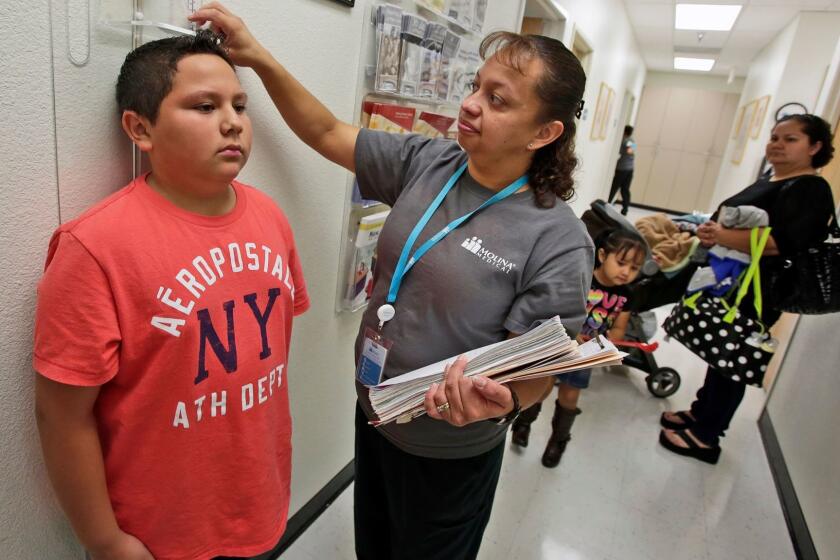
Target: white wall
x,y
56,161
791,68
31,525
693,81
504,14
616,60
803,409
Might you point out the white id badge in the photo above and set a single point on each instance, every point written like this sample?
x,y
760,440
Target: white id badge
x,y
372,361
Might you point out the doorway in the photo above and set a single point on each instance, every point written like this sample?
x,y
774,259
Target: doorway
x,y
544,17
624,118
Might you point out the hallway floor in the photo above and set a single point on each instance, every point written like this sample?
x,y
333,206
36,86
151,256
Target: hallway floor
x,y
617,495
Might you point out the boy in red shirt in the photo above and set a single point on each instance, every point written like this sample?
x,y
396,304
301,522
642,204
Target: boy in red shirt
x,y
162,331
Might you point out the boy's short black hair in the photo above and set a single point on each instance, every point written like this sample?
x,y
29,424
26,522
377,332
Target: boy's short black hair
x,y
628,130
147,73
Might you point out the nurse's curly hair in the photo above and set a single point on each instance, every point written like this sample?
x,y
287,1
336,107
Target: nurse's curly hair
x,y
560,88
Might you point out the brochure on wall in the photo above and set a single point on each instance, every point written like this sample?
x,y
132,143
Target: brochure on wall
x,y
391,118
360,282
462,11
411,53
542,351
439,6
464,68
433,125
480,13
388,28
451,44
430,67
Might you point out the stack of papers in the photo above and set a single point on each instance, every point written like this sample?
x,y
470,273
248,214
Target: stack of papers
x,y
542,351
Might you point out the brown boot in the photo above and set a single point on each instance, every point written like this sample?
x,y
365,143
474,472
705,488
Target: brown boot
x,y
522,425
561,428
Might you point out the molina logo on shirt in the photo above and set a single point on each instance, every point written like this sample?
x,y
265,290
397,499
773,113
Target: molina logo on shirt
x,y
474,246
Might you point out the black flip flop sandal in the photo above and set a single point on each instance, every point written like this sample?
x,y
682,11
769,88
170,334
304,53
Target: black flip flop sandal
x,y
706,454
687,421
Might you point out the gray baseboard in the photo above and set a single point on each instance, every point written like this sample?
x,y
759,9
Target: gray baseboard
x,y
306,516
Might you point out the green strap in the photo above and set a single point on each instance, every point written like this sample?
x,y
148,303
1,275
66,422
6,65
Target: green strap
x,y
691,301
752,275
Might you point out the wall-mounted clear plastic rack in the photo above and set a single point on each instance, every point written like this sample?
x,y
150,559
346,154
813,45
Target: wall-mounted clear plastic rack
x,y
147,20
429,105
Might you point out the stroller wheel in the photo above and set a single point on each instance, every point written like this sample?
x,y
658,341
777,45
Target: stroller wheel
x,y
663,382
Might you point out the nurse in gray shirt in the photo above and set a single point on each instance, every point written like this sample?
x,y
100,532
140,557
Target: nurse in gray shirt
x,y
424,489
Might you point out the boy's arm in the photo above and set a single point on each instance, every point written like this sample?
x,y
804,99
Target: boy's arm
x,y
306,116
619,326
73,456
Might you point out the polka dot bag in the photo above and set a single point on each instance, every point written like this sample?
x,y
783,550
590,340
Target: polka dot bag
x,y
715,329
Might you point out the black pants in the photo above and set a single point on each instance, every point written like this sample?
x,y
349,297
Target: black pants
x,y
715,405
414,508
621,181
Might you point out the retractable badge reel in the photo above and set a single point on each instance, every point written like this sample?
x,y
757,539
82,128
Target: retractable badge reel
x,y
375,349
385,313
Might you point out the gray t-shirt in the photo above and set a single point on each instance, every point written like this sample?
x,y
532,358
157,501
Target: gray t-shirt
x,y
627,154
508,267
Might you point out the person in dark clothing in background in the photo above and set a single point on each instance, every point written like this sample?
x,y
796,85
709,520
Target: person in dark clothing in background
x,y
624,169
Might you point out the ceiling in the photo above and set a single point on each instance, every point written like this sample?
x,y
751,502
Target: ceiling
x,y
757,24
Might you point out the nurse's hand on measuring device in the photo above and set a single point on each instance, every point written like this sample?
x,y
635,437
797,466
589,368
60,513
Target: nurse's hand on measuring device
x,y
241,46
463,400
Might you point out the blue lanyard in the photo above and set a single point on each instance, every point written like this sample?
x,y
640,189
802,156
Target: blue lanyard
x,y
405,263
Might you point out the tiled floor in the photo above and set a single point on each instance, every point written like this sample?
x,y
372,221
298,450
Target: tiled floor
x,y
617,495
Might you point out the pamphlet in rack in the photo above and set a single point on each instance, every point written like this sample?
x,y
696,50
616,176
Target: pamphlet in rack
x,y
430,66
388,28
391,118
414,78
434,125
411,53
360,282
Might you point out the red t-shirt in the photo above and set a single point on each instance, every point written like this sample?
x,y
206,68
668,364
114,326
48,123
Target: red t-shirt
x,y
184,321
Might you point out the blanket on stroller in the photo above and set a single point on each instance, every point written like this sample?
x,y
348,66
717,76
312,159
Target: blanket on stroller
x,y
670,246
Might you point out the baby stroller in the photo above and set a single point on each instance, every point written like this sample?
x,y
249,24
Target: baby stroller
x,y
651,290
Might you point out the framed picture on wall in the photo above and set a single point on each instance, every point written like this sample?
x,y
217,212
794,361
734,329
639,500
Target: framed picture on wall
x,y
605,123
743,134
739,118
600,107
760,114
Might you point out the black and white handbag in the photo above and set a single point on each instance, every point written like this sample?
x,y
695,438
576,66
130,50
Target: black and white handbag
x,y
715,329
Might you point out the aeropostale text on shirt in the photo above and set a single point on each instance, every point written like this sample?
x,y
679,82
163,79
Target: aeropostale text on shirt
x,y
206,270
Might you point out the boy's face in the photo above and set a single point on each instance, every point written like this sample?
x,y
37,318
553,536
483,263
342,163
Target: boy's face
x,y
202,132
